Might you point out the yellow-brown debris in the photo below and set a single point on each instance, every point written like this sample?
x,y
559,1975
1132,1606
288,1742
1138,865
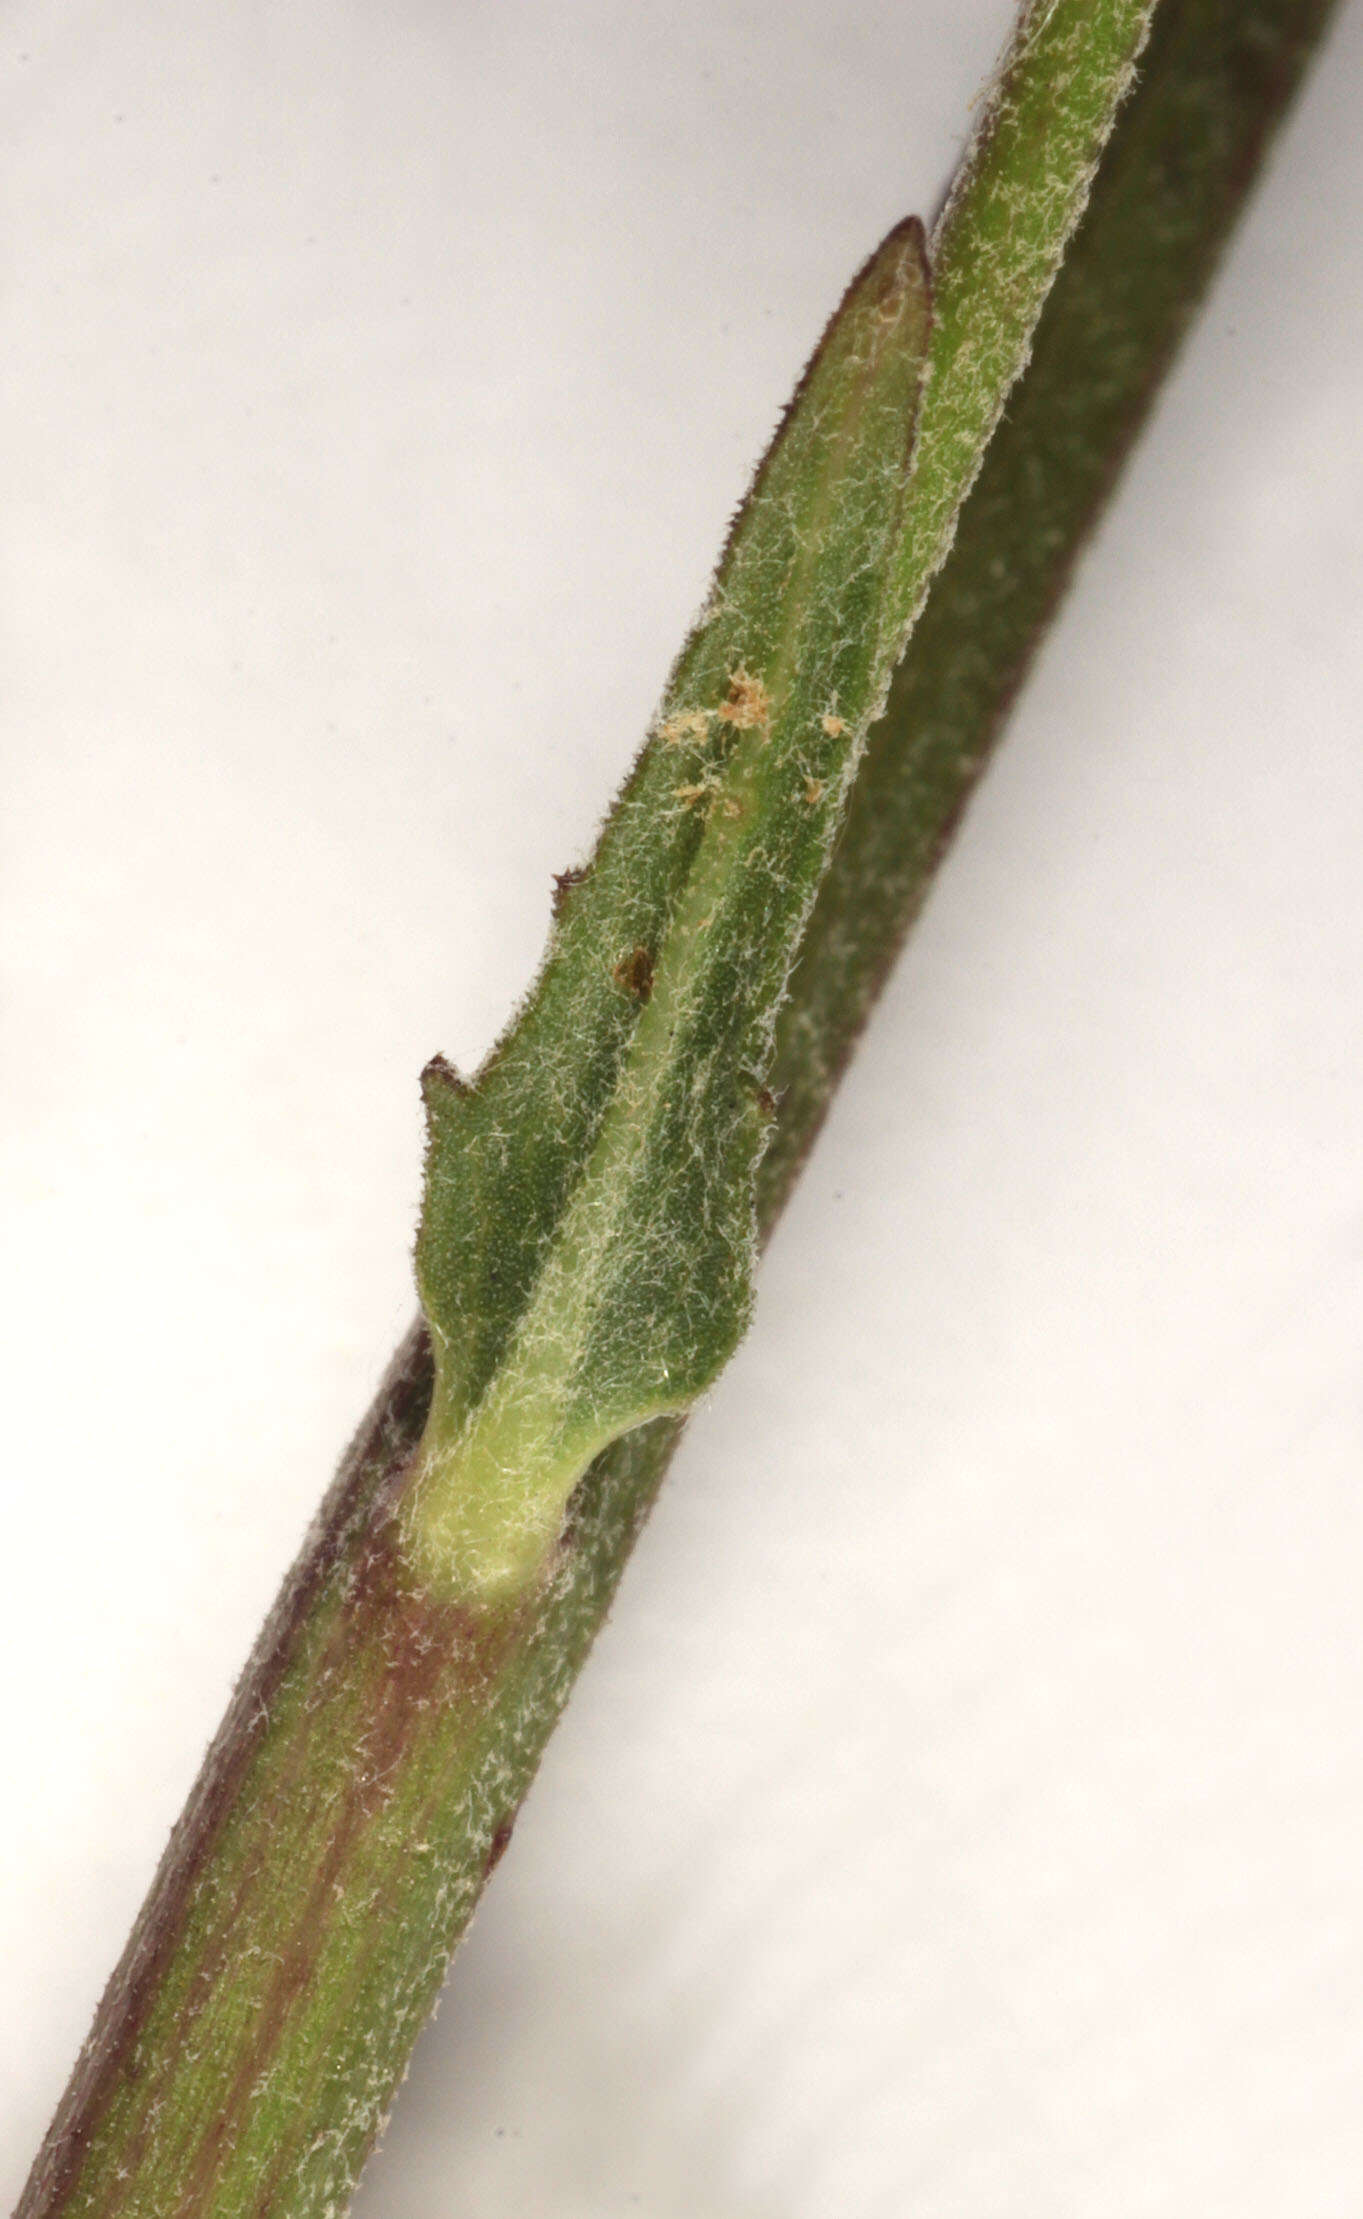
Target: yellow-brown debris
x,y
748,705
634,973
687,724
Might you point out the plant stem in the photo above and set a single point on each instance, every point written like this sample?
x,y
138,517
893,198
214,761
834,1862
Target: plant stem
x,y
368,1772
1215,80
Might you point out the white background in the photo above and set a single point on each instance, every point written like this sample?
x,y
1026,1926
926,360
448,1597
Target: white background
x,y
963,1813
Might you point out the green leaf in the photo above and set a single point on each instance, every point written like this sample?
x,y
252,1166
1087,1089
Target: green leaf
x,y
586,1247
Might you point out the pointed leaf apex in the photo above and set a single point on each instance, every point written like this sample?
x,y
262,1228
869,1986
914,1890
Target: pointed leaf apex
x,y
440,1082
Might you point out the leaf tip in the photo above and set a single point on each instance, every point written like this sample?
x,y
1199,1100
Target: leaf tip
x,y
897,277
564,882
441,1083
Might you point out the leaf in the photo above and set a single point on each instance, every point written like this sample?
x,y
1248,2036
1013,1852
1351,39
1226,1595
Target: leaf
x,y
586,1247
588,1231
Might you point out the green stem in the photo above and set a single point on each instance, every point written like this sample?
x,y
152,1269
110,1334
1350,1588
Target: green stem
x,y
1214,82
368,1773
999,242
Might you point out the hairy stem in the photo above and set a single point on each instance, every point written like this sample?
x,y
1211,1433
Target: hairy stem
x,y
381,1740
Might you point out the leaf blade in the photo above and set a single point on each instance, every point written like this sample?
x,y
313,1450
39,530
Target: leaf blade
x,y
634,1250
